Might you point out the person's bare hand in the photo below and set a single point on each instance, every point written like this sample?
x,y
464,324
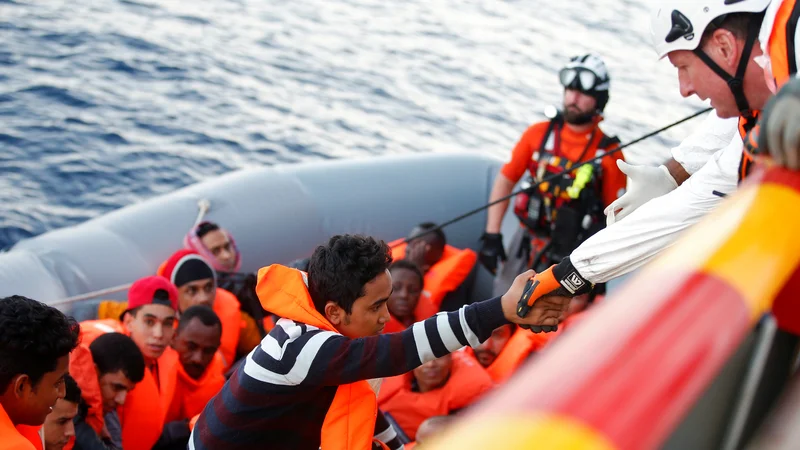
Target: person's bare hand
x,y
547,311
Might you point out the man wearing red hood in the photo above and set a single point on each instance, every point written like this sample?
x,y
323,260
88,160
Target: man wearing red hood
x,y
195,279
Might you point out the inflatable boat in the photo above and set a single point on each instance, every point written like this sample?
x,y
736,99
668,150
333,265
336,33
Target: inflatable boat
x,y
277,214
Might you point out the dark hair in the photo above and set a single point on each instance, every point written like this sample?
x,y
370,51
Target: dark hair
x,y
73,391
339,271
203,313
408,265
133,312
736,23
433,234
33,336
206,227
113,352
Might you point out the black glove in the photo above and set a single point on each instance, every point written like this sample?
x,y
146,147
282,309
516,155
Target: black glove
x,y
491,250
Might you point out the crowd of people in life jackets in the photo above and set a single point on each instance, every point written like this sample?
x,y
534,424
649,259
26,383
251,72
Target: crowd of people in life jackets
x,y
372,345
141,373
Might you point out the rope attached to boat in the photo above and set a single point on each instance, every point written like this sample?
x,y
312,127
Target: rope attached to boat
x,y
550,178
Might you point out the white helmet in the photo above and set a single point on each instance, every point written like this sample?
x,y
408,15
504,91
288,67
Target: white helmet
x,y
588,74
679,24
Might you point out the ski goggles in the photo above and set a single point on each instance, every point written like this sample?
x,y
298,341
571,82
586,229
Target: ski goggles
x,y
579,78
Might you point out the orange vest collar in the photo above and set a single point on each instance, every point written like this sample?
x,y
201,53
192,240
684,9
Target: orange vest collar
x,y
350,421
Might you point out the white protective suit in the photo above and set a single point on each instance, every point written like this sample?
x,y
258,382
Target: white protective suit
x,y
711,156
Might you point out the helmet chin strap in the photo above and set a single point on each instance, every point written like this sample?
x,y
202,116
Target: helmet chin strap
x,y
736,83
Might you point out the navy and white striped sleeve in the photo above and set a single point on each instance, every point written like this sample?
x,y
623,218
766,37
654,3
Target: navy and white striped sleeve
x,y
340,360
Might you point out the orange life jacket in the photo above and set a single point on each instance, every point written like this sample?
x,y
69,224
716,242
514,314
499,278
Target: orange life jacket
x,y
747,126
142,416
10,437
781,46
82,369
443,277
467,381
521,344
350,421
191,395
227,307
783,64
31,433
92,329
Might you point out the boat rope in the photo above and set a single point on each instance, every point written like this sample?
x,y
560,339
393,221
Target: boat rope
x,y
203,205
550,178
91,295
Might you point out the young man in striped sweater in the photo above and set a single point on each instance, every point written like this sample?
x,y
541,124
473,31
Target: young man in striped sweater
x,y
312,381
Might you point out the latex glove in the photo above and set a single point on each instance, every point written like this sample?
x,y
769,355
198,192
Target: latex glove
x,y
491,250
644,184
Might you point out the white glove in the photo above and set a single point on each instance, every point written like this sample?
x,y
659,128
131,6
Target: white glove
x,y
644,184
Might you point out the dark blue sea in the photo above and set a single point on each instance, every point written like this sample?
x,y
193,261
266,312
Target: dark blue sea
x,y
106,103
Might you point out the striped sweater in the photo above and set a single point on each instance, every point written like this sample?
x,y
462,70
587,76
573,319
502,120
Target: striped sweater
x,y
279,397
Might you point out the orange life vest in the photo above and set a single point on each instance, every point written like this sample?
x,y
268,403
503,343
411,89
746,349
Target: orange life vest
x,y
747,125
350,421
82,369
142,416
31,434
92,329
226,305
781,46
468,380
191,395
783,64
443,277
521,344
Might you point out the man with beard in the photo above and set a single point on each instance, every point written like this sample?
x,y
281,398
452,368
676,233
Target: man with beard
x,y
559,215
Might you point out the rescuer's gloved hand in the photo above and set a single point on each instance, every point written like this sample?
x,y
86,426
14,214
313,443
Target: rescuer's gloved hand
x,y
559,283
491,250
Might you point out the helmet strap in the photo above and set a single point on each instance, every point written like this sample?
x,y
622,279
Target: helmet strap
x,y
736,83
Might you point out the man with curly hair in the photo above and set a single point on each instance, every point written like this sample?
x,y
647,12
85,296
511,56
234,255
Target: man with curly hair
x,y
313,379
35,341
